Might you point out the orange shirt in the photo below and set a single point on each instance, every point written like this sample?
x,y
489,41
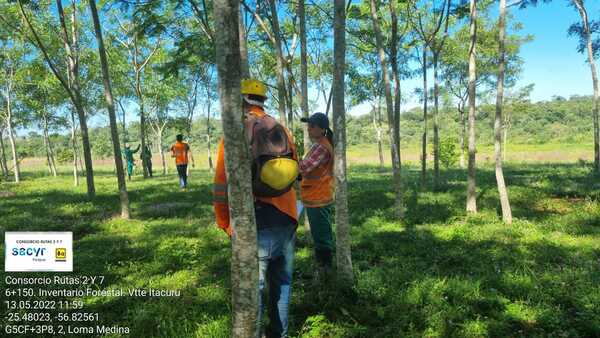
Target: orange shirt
x,y
180,150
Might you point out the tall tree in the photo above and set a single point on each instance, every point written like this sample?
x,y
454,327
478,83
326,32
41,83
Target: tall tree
x,y
471,179
303,73
244,263
502,191
427,29
394,143
114,132
71,83
437,46
343,252
141,52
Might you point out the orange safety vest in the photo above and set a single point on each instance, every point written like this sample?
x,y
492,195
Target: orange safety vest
x,y
317,187
180,150
286,203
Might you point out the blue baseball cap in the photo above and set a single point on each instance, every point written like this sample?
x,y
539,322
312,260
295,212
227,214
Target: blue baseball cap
x,y
318,119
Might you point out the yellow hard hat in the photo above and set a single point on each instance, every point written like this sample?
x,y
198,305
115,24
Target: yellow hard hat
x,y
254,87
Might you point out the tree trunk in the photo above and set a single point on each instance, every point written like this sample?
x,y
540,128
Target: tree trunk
x,y
45,140
303,73
208,130
73,70
390,111
396,160
471,180
11,136
114,129
281,89
290,100
140,97
436,117
74,146
424,137
378,131
244,263
13,149
463,132
590,49
343,251
3,154
161,152
49,156
245,70
502,191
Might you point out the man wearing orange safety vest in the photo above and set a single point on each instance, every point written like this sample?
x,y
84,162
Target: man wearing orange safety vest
x,y
181,152
276,216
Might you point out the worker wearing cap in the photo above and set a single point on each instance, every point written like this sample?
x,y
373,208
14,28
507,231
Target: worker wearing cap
x,y
276,221
317,188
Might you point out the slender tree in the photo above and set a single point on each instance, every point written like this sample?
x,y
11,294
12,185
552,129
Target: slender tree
x,y
114,129
71,83
502,191
244,263
399,207
343,252
471,179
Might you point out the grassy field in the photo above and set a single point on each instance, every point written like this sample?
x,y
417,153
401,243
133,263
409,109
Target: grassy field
x,y
438,273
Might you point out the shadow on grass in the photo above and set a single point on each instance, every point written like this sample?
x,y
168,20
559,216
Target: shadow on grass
x,y
415,283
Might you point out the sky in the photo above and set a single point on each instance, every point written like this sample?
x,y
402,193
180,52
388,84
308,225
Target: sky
x,y
551,60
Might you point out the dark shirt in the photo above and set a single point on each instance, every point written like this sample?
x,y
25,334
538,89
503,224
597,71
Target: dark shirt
x,y
268,216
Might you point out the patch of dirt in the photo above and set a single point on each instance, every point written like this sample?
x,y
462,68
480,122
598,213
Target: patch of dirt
x,y
7,194
169,206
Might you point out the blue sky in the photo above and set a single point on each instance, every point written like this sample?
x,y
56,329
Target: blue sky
x,y
551,60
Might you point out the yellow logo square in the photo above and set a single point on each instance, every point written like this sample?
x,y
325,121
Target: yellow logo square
x,y
60,254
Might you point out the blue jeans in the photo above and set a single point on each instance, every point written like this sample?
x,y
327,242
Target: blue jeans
x,y
275,265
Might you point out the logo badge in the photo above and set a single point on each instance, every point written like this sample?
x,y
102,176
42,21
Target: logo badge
x,y
38,251
60,254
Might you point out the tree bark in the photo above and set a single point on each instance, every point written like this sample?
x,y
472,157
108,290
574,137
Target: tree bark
x,y
390,111
243,45
343,252
161,152
471,179
303,73
74,146
13,147
397,166
3,154
436,117
502,191
463,132
281,89
424,137
114,129
589,44
9,127
244,263
208,129
49,156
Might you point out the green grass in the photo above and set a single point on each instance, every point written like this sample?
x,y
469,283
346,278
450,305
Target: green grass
x,y
437,273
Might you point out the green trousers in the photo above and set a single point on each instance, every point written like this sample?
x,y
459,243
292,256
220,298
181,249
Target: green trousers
x,y
322,234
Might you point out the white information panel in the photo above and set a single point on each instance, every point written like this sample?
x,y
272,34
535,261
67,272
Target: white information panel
x,y
38,251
